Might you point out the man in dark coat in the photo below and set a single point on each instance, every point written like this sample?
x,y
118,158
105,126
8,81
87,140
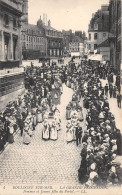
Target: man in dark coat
x,y
78,134
106,89
119,100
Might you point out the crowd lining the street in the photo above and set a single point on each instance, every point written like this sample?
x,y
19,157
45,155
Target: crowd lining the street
x,y
101,140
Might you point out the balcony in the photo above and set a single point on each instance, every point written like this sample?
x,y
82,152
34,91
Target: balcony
x,y
12,4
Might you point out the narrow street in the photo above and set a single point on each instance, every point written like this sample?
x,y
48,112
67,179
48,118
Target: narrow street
x,y
42,162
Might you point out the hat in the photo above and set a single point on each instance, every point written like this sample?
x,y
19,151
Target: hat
x,y
93,174
84,144
92,128
113,141
107,121
93,166
106,135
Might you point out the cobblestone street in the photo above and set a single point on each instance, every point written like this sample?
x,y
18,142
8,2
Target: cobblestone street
x,y
42,162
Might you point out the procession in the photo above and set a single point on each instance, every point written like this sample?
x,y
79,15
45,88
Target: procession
x,y
100,140
60,97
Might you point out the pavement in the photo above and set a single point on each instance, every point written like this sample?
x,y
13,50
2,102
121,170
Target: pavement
x,y
42,162
47,162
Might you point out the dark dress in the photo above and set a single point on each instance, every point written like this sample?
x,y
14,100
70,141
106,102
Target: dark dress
x,y
10,135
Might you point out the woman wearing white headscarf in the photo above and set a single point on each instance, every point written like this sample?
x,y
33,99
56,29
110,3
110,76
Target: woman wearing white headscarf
x,y
69,132
53,130
26,135
45,131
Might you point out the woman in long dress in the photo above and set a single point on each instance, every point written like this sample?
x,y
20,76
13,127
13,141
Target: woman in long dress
x,y
45,131
57,119
26,135
80,114
30,126
74,122
11,131
69,132
53,131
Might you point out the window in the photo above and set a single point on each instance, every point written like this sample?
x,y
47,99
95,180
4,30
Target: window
x,y
14,23
23,37
95,36
6,20
95,26
6,47
89,36
89,46
95,46
27,38
50,52
14,48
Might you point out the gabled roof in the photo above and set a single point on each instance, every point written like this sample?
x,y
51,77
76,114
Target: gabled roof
x,y
30,26
104,43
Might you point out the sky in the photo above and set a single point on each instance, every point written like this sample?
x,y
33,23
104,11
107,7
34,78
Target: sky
x,y
65,14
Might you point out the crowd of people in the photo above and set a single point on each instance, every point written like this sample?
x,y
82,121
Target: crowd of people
x,y
43,87
52,124
74,116
101,141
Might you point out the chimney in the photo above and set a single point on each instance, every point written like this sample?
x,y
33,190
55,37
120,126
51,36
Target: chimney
x,y
49,23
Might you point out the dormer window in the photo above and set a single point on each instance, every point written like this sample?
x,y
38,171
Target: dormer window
x,y
6,20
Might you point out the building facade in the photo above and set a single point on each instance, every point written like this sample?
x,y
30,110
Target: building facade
x,y
76,47
54,39
115,7
11,75
98,31
34,43
67,38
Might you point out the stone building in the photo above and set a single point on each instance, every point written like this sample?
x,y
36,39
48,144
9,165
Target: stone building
x,y
67,38
11,75
54,39
76,46
98,32
115,7
34,43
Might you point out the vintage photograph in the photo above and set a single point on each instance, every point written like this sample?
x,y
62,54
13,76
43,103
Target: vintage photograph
x,y
60,97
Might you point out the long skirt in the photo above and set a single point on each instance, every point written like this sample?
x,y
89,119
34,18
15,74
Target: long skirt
x,y
34,120
69,135
80,116
72,85
10,138
53,134
26,138
45,134
68,112
39,118
74,136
